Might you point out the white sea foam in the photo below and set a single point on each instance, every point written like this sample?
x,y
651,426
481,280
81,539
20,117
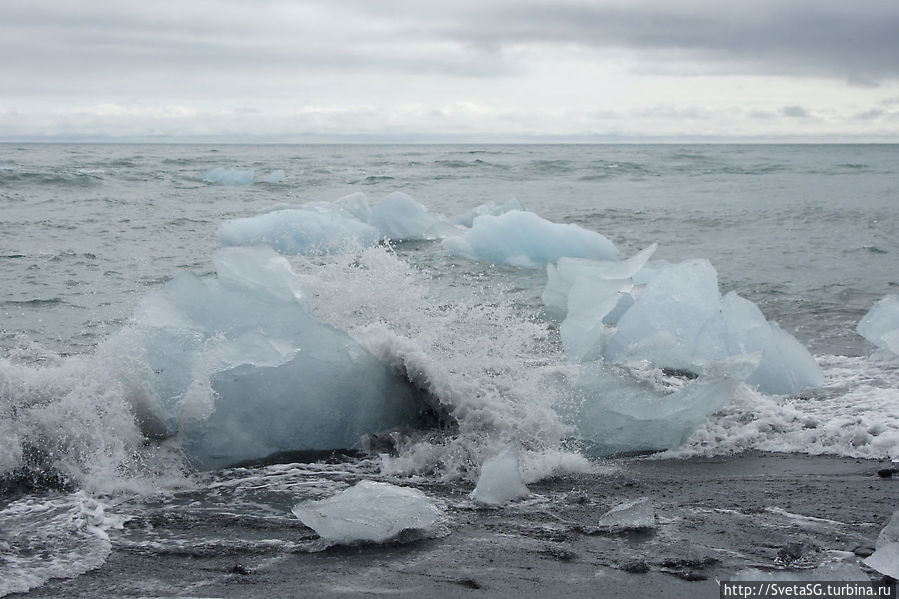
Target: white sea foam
x,y
855,414
53,538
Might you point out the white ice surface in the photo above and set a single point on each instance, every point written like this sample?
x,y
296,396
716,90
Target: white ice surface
x,y
880,325
240,369
500,480
630,515
522,238
310,229
229,176
370,511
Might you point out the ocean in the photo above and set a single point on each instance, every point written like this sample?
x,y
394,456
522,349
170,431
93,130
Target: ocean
x,y
93,235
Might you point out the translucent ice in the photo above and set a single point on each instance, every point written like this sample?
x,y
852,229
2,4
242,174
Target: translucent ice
x,y
313,228
492,208
678,301
524,239
399,217
613,412
890,532
239,367
368,512
592,304
561,276
880,325
500,479
680,321
885,560
355,204
229,176
631,515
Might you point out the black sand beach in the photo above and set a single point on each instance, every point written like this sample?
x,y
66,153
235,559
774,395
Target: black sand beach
x,y
715,516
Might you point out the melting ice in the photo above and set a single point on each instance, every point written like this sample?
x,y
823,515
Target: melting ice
x,y
880,325
500,479
239,367
368,512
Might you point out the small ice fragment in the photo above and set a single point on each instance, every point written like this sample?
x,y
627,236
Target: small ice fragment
x,y
631,515
229,176
890,532
880,325
500,480
885,560
369,511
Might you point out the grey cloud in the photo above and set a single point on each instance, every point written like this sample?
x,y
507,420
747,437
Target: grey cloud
x,y
796,112
466,38
797,37
868,115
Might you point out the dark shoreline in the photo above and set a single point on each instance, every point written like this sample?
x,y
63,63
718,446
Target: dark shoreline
x,y
715,516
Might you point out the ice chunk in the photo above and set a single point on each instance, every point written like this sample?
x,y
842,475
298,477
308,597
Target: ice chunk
x,y
678,301
740,328
399,217
613,413
492,208
240,369
890,533
631,515
314,228
229,176
680,321
368,512
880,325
524,239
500,479
885,560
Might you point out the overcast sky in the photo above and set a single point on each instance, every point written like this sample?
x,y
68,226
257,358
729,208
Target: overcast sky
x,y
455,70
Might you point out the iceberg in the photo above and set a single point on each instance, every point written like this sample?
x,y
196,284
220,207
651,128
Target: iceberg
x,y
370,512
492,208
678,321
880,325
310,229
522,238
229,176
631,515
238,367
398,217
500,479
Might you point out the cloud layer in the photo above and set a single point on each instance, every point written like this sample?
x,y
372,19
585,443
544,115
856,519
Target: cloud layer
x,y
398,68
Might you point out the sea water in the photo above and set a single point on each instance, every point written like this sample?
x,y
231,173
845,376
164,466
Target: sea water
x,y
90,234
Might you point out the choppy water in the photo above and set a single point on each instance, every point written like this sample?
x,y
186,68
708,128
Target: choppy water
x,y
809,233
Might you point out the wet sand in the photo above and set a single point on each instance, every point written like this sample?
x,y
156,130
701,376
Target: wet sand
x,y
714,516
